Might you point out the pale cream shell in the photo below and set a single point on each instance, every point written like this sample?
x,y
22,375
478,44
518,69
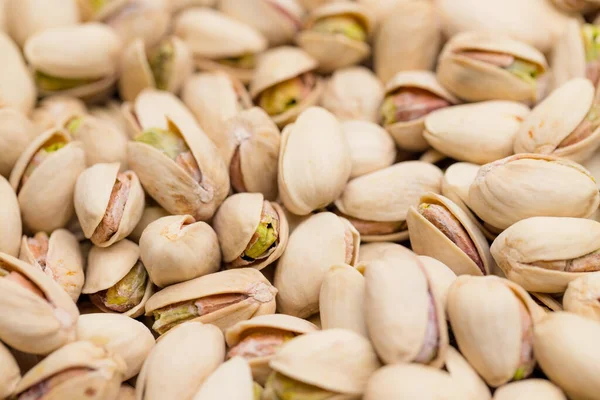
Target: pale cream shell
x,y
57,109
88,13
581,296
10,215
16,84
371,147
9,370
462,372
232,380
151,213
568,57
16,132
146,19
531,389
441,277
102,142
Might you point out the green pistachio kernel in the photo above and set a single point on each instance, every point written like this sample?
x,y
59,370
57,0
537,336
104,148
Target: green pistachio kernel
x,y
73,125
341,25
170,143
166,318
3,272
51,83
286,388
129,291
42,154
258,391
266,235
245,61
161,63
282,97
97,5
525,70
591,41
388,110
521,373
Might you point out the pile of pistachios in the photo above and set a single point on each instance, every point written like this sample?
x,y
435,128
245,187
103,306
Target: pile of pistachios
x,y
299,200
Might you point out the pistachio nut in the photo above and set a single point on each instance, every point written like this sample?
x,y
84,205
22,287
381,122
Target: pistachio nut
x,y
58,255
277,20
78,60
478,133
577,53
463,373
441,277
559,340
478,66
342,299
314,162
126,392
575,136
121,335
55,110
164,66
10,215
405,315
440,229
250,146
16,132
112,113
9,370
377,204
146,19
3,23
284,83
108,203
36,315
116,279
331,364
188,355
252,232
151,213
498,352
44,179
16,84
222,298
179,5
409,97
258,339
531,389
219,42
232,380
353,93
301,269
214,98
430,155
371,147
180,168
581,296
77,370
337,35
310,5
97,10
525,185
177,248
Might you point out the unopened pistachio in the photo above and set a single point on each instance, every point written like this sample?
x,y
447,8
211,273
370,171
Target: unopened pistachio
x,y
531,389
232,380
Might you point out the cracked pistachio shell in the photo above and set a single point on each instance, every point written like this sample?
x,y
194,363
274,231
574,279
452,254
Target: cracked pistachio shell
x,y
399,281
473,80
529,185
10,215
151,213
409,134
413,381
543,131
236,223
186,357
93,194
531,389
57,109
250,147
106,266
16,132
100,373
29,322
89,52
342,299
121,335
277,20
441,277
568,57
9,370
314,162
137,72
94,10
428,239
386,195
462,372
566,339
146,19
581,296
336,360
371,147
321,241
258,291
279,65
544,240
62,261
170,185
478,133
214,98
46,198
334,51
353,93
16,84
232,380
417,20
102,142
279,322
494,351
176,248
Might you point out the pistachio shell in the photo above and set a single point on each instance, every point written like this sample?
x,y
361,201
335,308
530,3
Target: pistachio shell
x,y
29,322
187,356
568,57
3,27
477,133
16,132
531,389
46,198
11,228
57,109
178,5
342,299
62,262
94,10
525,185
102,142
581,296
462,372
146,19
321,241
177,248
121,335
317,143
353,93
112,113
9,370
378,250
546,302
151,213
232,380
336,360
16,85
126,392
441,277
371,147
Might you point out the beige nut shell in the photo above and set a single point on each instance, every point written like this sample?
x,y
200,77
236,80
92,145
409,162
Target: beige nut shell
x,y
232,380
371,147
16,84
9,370
531,389
10,215
581,296
568,57
16,132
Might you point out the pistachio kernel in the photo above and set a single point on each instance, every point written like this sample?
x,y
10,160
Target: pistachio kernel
x,y
244,61
161,61
286,388
286,95
257,390
523,69
125,294
51,83
266,235
53,145
345,25
409,104
109,225
21,280
260,343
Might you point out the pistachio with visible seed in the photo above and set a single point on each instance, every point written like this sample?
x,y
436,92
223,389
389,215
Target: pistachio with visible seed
x,y
576,54
57,109
98,9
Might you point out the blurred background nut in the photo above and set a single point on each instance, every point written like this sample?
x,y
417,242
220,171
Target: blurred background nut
x,y
371,147
11,227
17,88
55,110
581,296
9,370
232,380
148,20
98,10
531,389
16,132
463,373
